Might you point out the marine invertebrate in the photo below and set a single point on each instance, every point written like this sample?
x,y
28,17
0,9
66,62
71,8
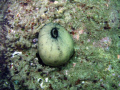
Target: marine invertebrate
x,y
55,45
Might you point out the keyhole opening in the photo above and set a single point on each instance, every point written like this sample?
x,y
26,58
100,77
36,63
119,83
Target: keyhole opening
x,y
54,32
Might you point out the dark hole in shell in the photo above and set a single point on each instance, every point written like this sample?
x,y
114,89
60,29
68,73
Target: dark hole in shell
x,y
54,32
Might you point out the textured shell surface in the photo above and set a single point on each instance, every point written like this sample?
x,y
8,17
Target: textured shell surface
x,y
55,45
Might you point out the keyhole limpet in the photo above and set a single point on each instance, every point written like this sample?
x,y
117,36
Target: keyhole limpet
x,y
55,45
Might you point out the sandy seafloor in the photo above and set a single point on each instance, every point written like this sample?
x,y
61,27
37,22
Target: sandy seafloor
x,y
95,28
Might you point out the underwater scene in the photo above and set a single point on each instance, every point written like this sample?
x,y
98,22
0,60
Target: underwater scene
x,y
59,44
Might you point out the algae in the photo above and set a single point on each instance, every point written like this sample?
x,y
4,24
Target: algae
x,y
95,28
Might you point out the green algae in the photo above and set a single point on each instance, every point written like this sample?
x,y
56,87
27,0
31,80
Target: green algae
x,y
94,65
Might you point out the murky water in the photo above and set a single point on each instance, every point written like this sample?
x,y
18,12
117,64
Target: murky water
x,y
95,28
